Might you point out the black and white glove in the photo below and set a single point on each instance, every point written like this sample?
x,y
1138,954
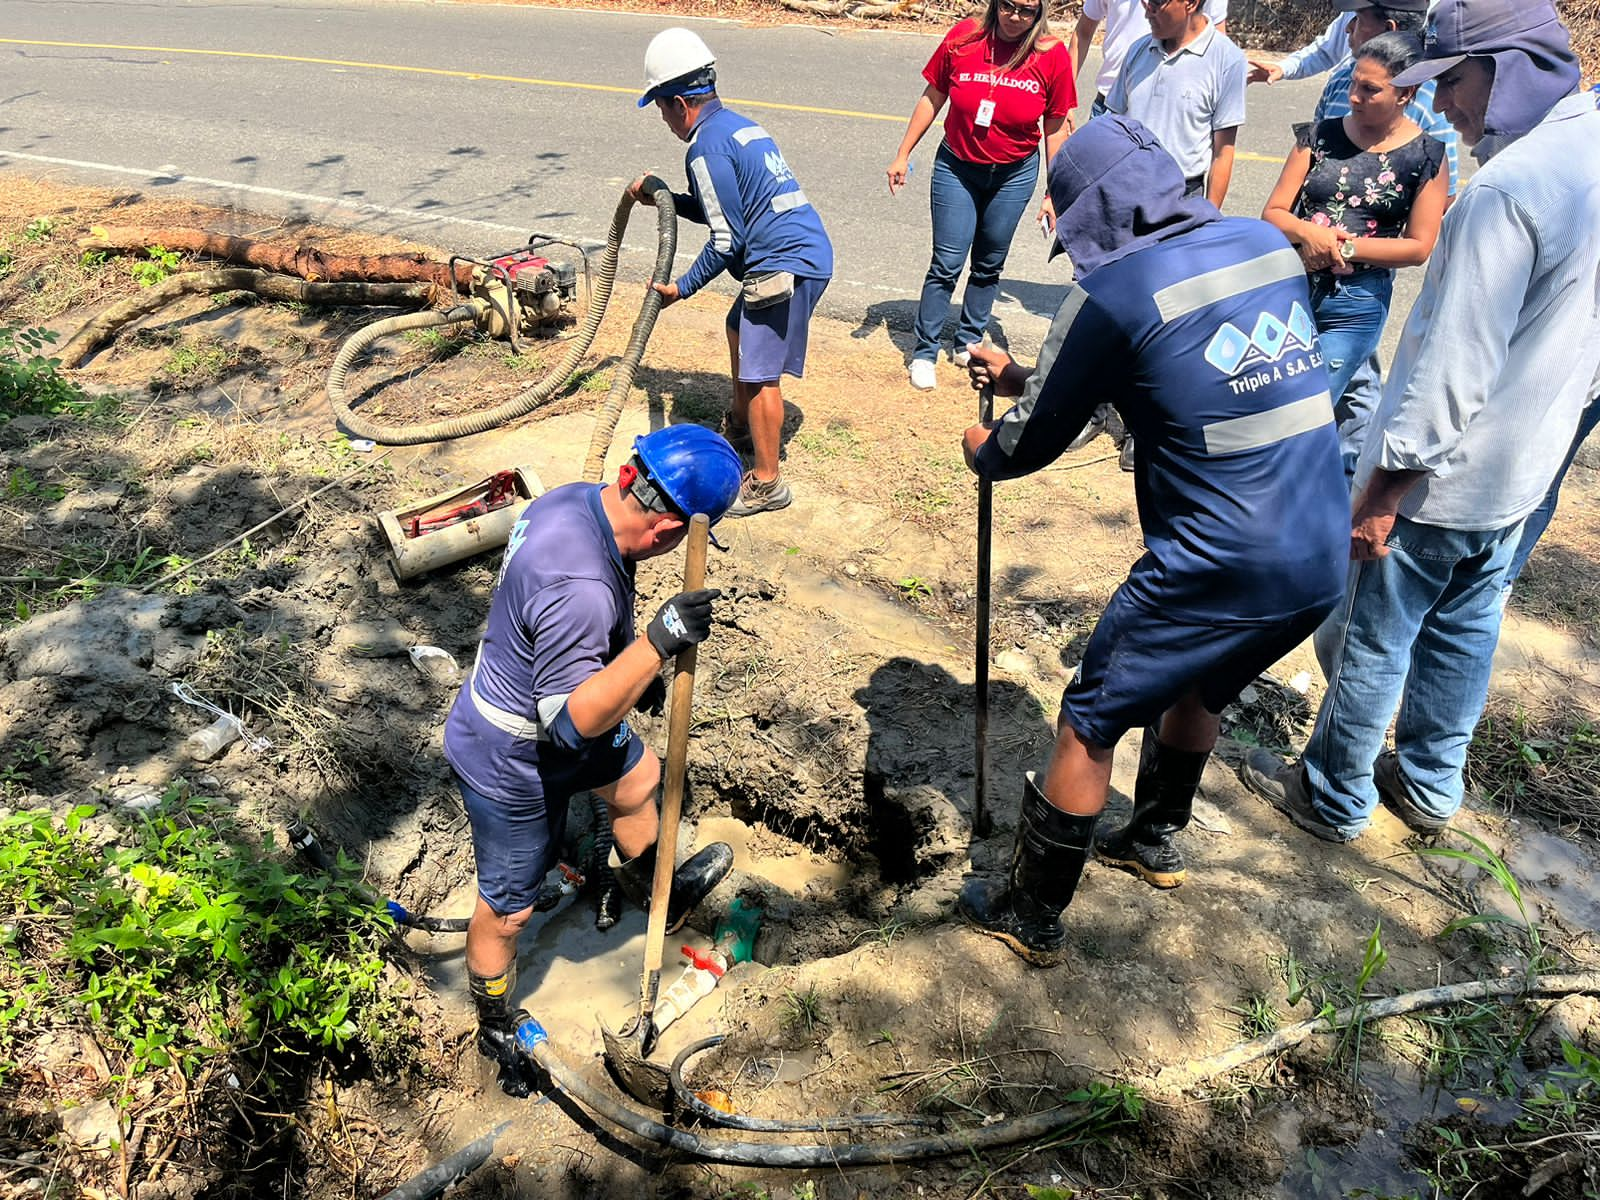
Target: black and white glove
x,y
683,621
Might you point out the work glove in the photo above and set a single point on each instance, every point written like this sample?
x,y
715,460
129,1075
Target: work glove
x,y
653,699
683,621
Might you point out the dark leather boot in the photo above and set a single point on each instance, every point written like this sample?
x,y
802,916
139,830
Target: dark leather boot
x,y
497,1031
1025,910
1163,800
691,882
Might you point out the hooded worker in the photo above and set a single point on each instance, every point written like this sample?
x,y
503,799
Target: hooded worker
x,y
543,713
1197,328
764,233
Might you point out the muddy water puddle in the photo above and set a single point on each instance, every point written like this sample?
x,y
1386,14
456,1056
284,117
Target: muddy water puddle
x,y
1372,1161
793,872
871,614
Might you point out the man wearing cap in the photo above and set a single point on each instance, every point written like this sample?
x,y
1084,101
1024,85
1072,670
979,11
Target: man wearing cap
x,y
542,715
1496,362
1185,82
1198,329
764,233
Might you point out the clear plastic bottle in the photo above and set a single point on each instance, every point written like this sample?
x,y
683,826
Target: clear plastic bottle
x,y
208,743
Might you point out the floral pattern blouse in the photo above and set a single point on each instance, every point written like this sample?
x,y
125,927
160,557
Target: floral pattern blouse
x,y
1367,193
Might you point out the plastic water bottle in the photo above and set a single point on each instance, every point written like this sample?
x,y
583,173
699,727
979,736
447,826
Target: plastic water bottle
x,y
208,743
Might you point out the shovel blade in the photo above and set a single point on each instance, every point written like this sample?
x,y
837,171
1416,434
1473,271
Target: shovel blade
x,y
647,1082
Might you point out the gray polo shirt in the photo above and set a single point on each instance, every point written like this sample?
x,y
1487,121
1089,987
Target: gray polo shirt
x,y
1183,97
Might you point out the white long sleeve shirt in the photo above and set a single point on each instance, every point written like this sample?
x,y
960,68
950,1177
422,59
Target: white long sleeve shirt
x,y
1502,349
1323,54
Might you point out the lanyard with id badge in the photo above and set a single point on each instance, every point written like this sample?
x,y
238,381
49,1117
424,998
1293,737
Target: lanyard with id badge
x,y
984,117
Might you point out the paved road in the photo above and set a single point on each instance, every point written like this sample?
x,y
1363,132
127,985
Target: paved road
x,y
468,125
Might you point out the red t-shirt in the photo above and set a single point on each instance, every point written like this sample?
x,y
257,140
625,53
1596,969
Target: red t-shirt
x,y
969,68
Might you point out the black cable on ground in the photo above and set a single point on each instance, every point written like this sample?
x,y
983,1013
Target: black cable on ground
x,y
450,1171
535,1043
556,379
841,1124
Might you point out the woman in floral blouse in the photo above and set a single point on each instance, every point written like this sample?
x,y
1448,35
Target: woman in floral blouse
x,y
1359,196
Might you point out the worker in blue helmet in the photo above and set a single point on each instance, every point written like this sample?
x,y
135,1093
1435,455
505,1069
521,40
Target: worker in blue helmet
x,y
543,713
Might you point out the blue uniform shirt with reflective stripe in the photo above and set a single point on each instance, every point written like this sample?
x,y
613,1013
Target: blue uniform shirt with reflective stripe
x,y
1206,346
741,188
562,610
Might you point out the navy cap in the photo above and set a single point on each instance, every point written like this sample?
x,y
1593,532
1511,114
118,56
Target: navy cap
x,y
1462,28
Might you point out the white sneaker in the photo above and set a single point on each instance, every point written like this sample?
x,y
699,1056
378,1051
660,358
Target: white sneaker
x,y
961,357
922,375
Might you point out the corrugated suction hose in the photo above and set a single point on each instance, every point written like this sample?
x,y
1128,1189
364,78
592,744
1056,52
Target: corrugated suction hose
x,y
553,382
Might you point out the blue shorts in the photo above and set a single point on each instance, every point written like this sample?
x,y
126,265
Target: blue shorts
x,y
516,842
1139,663
772,340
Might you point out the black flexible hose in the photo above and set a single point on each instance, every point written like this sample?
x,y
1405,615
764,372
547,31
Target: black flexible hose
x,y
841,1124
536,1044
451,1170
556,379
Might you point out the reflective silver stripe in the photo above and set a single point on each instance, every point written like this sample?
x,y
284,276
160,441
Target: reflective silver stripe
x,y
789,200
750,133
1265,428
507,722
721,231
1015,421
1195,293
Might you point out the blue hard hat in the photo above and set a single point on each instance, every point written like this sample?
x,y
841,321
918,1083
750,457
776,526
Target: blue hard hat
x,y
693,466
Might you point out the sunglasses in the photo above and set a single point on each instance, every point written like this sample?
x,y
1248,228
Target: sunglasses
x,y
1026,12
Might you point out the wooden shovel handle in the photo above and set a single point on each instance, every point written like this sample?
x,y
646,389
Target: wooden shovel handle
x,y
678,718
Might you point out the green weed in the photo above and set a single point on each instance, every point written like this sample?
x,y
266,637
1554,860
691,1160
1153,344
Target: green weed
x,y
178,944
1491,864
157,265
31,380
189,366
913,588
803,1011
835,440
21,485
39,229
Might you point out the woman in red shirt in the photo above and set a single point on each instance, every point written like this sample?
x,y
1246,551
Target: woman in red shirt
x,y
1006,78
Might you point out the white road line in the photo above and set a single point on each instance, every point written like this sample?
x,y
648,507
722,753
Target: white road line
x,y
163,174
174,176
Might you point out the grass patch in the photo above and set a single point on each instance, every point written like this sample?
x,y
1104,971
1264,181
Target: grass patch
x,y
189,366
836,439
1544,762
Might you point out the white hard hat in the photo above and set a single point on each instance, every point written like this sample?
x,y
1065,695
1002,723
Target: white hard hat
x,y
672,54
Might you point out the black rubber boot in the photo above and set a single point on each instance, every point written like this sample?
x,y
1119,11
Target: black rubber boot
x,y
1024,912
1163,800
691,882
497,1031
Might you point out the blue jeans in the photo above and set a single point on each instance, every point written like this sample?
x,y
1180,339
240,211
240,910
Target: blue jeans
x,y
1350,311
1416,629
975,211
1533,528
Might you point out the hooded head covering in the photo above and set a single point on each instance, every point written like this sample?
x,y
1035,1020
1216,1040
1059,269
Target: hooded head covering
x,y
1116,191
1534,67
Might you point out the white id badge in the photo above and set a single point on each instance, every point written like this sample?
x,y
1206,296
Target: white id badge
x,y
985,114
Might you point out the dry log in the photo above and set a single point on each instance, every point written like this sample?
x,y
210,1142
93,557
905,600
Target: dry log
x,y
307,262
97,331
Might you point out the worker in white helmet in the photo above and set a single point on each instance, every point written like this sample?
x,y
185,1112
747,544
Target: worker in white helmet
x,y
764,233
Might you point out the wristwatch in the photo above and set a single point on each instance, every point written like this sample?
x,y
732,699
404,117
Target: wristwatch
x,y
1347,250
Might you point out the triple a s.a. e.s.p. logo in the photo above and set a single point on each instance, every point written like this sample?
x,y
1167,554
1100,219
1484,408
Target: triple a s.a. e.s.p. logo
x,y
1273,350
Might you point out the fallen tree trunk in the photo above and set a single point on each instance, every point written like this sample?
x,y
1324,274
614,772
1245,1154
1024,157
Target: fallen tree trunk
x,y
97,331
307,262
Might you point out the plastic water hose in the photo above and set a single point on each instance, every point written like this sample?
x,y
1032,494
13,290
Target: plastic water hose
x,y
556,379
605,422
842,1124
534,1042
451,1170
